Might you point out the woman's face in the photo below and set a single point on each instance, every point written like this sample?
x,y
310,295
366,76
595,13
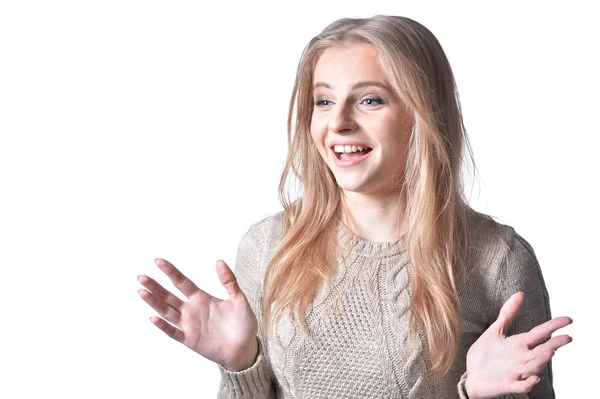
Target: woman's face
x,y
354,106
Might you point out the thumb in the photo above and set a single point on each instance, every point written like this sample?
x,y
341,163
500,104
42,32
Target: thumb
x,y
508,312
228,278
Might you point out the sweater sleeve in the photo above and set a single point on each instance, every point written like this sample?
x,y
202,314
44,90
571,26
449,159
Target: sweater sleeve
x,y
255,382
520,271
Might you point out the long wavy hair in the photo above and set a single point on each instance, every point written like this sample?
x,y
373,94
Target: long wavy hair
x,y
434,209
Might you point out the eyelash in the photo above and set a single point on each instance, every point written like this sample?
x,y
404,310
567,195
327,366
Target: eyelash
x,y
378,100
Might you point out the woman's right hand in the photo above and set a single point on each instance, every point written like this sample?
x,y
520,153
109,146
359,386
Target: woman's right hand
x,y
222,331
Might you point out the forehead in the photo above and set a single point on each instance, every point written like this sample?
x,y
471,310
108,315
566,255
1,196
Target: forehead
x,y
347,64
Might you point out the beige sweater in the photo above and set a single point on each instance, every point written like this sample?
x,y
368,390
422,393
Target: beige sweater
x,y
358,336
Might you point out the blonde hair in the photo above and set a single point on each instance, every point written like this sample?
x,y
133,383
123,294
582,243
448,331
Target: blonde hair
x,y
434,208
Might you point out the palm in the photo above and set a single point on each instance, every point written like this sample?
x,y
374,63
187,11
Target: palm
x,y
217,329
494,350
223,331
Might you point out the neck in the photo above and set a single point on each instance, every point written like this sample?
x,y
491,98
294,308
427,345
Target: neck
x,y
375,219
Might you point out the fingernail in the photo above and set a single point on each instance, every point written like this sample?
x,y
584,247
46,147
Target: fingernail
x,y
538,380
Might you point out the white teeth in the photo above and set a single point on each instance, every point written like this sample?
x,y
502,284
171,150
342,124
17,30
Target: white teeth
x,y
348,148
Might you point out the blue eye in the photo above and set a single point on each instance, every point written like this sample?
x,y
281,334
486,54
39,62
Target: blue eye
x,y
373,101
322,102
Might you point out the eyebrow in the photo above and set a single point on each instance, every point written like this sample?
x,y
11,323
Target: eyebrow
x,y
356,85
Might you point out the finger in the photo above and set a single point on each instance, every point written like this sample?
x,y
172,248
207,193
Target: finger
x,y
552,345
161,292
183,284
535,366
540,333
161,307
508,312
525,385
168,329
228,278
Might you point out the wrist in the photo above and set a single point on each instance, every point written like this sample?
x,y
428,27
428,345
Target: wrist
x,y
469,389
247,359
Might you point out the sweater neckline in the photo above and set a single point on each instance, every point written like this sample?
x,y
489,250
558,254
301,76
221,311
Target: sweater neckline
x,y
363,247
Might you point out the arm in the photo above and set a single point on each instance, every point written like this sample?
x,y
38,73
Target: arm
x,y
522,273
255,382
513,354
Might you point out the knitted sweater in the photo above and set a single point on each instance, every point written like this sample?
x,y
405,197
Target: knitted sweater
x,y
357,342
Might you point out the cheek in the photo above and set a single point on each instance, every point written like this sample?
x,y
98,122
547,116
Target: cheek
x,y
316,133
400,132
396,144
318,145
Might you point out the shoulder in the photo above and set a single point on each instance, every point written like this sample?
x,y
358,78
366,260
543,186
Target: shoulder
x,y
268,229
521,271
495,245
255,250
499,263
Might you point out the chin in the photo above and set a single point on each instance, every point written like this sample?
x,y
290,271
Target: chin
x,y
353,186
353,180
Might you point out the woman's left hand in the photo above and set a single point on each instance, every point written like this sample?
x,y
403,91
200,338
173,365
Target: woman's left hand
x,y
498,365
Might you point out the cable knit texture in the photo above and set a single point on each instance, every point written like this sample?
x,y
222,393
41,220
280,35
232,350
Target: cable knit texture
x,y
357,347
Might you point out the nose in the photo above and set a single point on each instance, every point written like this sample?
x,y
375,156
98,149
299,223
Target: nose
x,y
342,119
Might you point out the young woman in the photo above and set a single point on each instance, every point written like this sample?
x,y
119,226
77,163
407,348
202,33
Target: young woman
x,y
379,281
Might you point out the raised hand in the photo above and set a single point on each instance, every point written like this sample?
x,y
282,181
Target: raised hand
x,y
498,365
222,331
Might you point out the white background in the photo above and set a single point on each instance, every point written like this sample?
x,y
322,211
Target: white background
x,y
139,129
